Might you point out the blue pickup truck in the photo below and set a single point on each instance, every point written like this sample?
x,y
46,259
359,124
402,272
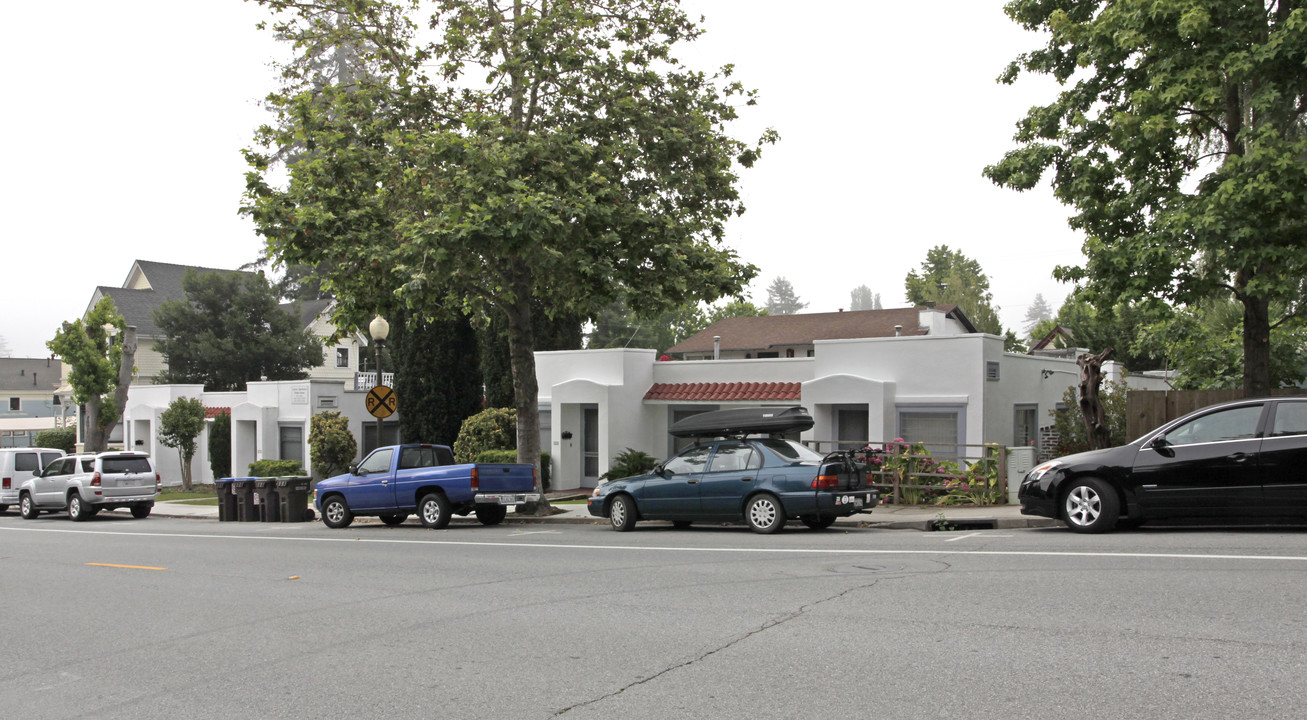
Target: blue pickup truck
x,y
395,481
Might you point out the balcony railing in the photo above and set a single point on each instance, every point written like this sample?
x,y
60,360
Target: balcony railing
x,y
368,380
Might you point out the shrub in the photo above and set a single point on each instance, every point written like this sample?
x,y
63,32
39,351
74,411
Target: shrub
x,y
332,446
490,429
629,463
220,445
275,468
59,439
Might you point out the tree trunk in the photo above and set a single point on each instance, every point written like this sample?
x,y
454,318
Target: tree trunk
x,y
1256,347
98,427
525,390
1091,407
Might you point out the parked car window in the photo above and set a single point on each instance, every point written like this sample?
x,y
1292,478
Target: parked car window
x,y
416,457
378,461
444,456
88,465
1233,424
732,457
1290,419
25,462
690,461
792,451
47,458
59,467
124,465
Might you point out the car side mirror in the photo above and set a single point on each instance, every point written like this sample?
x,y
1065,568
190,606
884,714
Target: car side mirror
x,y
662,471
353,469
1159,443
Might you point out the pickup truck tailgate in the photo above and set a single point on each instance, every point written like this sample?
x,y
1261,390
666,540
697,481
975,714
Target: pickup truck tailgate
x,y
505,478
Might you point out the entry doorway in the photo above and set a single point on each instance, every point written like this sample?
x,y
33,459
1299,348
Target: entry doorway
x,y
590,445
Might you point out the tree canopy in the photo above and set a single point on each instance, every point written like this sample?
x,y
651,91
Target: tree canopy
x,y
862,298
230,330
947,277
100,369
781,298
180,426
1178,138
532,149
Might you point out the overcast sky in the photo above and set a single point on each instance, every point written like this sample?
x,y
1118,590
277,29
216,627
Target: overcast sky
x,y
125,122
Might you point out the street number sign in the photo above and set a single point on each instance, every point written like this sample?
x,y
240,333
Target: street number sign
x,y
381,402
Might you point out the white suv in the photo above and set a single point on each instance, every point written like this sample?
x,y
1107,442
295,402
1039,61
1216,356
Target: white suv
x,y
86,484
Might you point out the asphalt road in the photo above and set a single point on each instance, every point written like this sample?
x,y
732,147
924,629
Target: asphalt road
x,y
170,618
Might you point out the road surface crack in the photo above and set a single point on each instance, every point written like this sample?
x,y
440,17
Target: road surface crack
x,y
774,622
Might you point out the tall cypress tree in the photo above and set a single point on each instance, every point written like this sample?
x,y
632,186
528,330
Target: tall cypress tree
x,y
437,376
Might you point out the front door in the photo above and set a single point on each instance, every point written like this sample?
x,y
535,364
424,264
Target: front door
x,y
1284,460
1207,466
373,486
589,446
675,492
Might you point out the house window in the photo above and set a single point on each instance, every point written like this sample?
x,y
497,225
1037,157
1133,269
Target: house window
x,y
292,443
342,357
57,402
15,404
991,371
768,355
939,428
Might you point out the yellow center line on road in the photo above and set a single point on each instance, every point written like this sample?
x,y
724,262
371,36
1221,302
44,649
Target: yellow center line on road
x,y
129,567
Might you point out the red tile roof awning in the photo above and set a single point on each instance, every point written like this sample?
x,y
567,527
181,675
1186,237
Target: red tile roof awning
x,y
725,392
212,412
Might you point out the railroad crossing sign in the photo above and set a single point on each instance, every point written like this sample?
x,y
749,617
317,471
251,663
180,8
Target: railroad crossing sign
x,y
382,402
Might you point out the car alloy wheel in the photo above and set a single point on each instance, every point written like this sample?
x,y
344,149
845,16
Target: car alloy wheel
x,y
433,511
335,513
1091,506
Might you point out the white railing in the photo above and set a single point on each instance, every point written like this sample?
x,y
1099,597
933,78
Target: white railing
x,y
368,380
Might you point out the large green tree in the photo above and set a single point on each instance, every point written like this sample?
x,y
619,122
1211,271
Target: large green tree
x,y
1178,138
230,330
100,369
948,277
781,298
558,150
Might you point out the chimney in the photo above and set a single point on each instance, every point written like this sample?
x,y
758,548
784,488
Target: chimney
x,y
33,379
716,347
898,331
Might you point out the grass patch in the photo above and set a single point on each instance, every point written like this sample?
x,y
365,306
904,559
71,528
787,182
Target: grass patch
x,y
568,502
202,501
198,492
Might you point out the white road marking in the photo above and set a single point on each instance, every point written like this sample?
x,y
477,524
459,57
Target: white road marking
x,y
665,548
974,534
519,533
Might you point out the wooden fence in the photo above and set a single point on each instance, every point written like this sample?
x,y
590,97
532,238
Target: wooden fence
x,y
1147,409
910,474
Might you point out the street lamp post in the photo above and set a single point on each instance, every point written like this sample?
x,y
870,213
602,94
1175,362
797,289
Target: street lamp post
x,y
380,330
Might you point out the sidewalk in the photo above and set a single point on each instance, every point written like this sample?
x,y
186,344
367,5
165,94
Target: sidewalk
x,y
892,517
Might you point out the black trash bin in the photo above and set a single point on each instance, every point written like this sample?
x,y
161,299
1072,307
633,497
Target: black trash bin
x,y
265,496
293,495
227,506
243,490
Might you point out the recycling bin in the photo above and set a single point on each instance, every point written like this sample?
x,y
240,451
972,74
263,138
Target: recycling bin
x,y
293,498
226,498
243,489
265,497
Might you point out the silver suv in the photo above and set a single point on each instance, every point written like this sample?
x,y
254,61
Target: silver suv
x,y
84,485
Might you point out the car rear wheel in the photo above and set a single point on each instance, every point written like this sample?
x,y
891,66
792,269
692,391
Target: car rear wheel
x,y
818,522
764,514
491,514
622,513
393,519
433,511
27,508
1090,506
77,510
142,511
335,513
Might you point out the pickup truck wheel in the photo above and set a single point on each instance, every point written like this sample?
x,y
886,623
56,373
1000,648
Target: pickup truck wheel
x,y
818,522
27,508
433,511
621,514
764,514
393,519
335,513
491,514
141,511
77,510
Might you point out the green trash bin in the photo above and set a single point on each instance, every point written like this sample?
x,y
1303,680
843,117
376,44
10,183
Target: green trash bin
x,y
265,497
293,497
243,490
227,506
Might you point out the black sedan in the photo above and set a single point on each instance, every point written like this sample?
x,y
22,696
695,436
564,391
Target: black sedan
x,y
1244,461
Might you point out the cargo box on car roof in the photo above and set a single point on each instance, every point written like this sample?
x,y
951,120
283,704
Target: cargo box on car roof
x,y
743,421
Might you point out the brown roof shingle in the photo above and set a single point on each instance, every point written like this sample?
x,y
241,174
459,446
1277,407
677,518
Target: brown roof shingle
x,y
769,331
